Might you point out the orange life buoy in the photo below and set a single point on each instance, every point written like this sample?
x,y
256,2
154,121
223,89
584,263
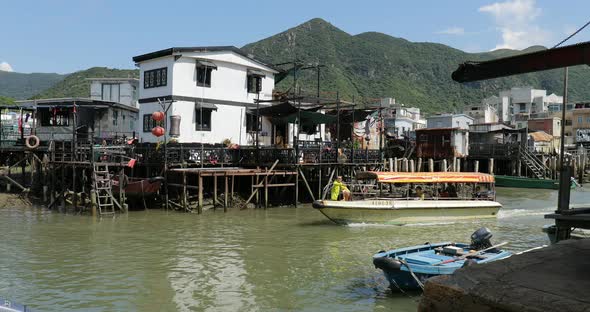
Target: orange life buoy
x,y
28,141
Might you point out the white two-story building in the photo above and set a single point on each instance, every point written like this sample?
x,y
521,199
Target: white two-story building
x,y
212,89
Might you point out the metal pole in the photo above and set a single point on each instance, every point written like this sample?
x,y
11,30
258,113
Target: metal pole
x,y
352,132
338,120
564,186
380,133
298,127
257,124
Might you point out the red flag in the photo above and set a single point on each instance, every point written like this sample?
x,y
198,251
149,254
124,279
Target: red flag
x,y
131,163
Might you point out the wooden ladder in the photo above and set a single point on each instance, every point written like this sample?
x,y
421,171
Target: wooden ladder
x,y
103,188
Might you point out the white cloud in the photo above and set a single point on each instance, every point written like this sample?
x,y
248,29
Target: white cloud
x,y
515,19
5,67
452,31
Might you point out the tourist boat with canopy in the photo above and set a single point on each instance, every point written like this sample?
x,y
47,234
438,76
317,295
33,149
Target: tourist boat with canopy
x,y
448,196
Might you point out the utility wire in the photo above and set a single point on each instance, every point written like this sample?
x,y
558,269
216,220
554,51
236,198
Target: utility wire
x,y
570,36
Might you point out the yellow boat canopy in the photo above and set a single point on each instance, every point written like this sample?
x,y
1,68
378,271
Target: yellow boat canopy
x,y
426,177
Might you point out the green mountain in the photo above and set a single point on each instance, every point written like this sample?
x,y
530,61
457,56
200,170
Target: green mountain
x,y
76,85
22,86
372,65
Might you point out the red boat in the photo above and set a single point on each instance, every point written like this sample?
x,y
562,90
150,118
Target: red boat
x,y
139,187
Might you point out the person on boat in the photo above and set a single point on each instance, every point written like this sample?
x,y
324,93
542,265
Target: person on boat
x,y
451,190
340,188
419,192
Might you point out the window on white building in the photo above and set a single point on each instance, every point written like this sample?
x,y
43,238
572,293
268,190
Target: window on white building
x,y
204,71
149,123
254,84
111,92
204,77
155,78
251,122
254,81
203,119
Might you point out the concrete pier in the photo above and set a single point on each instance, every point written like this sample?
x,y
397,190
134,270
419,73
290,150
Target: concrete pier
x,y
555,278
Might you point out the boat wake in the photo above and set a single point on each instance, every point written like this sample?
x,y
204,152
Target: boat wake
x,y
510,213
356,225
362,224
431,223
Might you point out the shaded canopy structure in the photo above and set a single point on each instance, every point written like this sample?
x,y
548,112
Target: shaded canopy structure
x,y
289,113
571,55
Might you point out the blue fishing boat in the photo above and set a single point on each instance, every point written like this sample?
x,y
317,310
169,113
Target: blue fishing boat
x,y
9,306
408,268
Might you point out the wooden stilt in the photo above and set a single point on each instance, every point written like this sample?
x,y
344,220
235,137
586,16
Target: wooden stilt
x,y
232,189
296,188
266,191
184,192
200,204
320,182
215,191
306,184
226,193
431,165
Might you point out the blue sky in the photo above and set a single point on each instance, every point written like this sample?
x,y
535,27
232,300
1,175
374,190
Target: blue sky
x,y
65,36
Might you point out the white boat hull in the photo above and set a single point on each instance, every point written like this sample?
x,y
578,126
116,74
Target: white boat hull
x,y
391,211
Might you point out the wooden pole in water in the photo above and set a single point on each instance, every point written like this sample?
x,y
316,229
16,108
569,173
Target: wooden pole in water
x,y
491,166
93,202
395,164
419,169
476,166
458,165
63,188
444,165
306,184
431,165
266,190
233,177
200,204
296,187
257,193
226,196
184,191
412,168
519,169
405,166
390,164
74,197
214,191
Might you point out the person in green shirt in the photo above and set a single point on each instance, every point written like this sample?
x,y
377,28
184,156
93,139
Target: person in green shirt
x,y
339,187
419,193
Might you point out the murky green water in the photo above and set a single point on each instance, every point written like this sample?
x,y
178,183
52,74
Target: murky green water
x,y
280,259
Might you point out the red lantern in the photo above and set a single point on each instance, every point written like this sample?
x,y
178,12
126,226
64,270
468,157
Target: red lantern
x,y
158,131
158,116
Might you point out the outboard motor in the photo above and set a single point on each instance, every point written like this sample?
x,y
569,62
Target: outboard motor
x,y
480,239
387,264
